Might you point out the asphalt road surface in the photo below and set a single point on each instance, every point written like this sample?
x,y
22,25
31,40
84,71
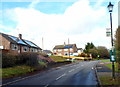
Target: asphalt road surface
x,y
81,73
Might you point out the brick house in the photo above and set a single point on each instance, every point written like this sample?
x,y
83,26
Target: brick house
x,y
65,49
17,44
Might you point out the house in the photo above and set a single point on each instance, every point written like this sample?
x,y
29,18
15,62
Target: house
x,y
48,52
80,50
66,49
17,44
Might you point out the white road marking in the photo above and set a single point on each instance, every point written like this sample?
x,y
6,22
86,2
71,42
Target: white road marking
x,y
46,85
60,76
71,70
82,65
71,66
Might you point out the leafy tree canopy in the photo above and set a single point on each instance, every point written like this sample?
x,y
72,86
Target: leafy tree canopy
x,y
88,46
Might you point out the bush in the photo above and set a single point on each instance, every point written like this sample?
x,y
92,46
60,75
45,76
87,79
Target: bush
x,y
82,55
28,58
94,52
43,54
8,60
42,65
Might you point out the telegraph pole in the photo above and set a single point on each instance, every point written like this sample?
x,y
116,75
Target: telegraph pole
x,y
42,44
69,48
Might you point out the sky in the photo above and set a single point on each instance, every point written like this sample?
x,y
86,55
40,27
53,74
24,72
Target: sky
x,y
55,21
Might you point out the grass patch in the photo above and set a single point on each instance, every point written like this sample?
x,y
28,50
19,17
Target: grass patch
x,y
58,58
16,71
105,60
110,66
109,81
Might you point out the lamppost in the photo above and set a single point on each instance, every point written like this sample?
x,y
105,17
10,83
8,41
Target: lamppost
x,y
110,8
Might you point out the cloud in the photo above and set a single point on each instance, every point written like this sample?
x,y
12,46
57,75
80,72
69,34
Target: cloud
x,y
34,3
80,22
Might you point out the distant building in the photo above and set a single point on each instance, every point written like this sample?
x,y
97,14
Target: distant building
x,y
80,50
65,49
17,44
48,52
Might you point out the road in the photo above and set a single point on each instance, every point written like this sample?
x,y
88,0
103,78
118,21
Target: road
x,y
81,73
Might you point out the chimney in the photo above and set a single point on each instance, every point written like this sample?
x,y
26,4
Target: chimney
x,y
20,36
64,43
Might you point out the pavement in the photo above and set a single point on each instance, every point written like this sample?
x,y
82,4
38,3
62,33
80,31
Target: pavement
x,y
103,71
75,74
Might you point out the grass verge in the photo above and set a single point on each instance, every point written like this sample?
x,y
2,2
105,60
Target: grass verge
x,y
16,71
58,58
107,60
110,66
109,81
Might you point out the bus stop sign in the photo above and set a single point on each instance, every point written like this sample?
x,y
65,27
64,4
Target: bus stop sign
x,y
112,56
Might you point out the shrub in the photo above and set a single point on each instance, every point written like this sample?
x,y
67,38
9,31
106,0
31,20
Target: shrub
x,y
28,58
82,55
43,54
8,60
42,65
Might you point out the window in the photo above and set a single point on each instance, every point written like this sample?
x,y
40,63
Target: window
x,y
38,50
25,49
55,53
65,49
66,54
59,53
32,50
14,47
54,50
59,49
71,49
1,47
35,50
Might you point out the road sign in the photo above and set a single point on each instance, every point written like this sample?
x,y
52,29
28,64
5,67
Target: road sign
x,y
108,32
112,55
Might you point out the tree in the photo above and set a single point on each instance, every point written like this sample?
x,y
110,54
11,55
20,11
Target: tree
x,y
94,52
103,52
88,47
117,46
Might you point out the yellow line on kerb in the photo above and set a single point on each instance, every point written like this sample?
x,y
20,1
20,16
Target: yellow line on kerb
x,y
74,57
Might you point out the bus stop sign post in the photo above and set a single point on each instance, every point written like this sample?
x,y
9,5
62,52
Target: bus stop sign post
x,y
113,59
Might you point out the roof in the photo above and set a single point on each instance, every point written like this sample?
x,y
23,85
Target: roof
x,y
64,46
79,49
16,40
47,51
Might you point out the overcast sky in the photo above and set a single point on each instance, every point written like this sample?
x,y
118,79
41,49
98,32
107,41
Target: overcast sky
x,y
81,21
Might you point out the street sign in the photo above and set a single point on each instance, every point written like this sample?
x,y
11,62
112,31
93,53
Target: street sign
x,y
108,32
112,55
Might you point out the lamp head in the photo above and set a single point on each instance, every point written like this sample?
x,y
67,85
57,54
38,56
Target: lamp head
x,y
110,7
